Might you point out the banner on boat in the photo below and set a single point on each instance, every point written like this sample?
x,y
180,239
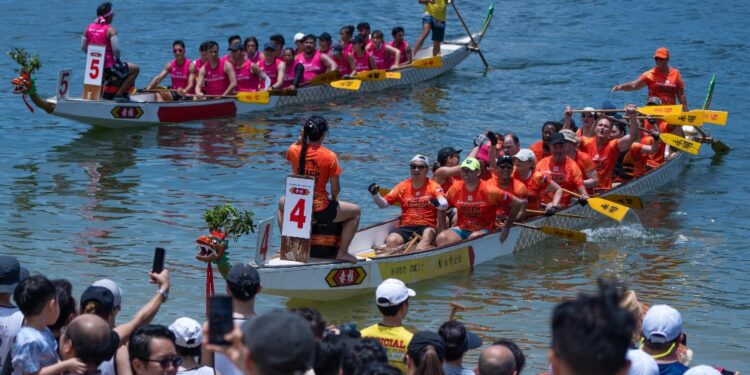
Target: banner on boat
x,y
298,207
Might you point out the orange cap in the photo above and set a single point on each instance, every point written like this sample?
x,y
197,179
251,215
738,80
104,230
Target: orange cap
x,y
662,53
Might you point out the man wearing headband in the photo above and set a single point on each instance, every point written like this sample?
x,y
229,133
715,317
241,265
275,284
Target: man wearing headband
x,y
419,197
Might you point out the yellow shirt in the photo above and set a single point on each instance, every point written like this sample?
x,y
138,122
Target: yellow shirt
x,y
394,339
436,10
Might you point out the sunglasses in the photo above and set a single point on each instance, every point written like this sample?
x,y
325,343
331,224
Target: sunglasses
x,y
659,59
165,362
587,115
505,166
178,50
417,167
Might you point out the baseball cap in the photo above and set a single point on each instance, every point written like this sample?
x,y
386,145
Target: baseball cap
x,y
11,273
235,47
269,45
298,37
590,109
421,159
446,152
245,278
608,105
422,340
662,324
484,153
112,287
392,292
569,135
556,138
662,53
653,100
525,154
471,163
505,159
100,295
702,370
641,363
281,341
187,332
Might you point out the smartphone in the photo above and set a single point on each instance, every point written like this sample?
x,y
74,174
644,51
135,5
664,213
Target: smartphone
x,y
220,320
158,260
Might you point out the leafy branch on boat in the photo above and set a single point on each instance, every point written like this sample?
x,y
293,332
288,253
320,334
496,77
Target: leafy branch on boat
x,y
229,220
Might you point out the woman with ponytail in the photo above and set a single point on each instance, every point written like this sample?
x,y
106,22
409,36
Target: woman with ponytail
x,y
425,354
310,158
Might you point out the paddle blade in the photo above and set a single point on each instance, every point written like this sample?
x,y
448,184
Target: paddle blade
x,y
347,84
258,97
713,117
681,143
608,208
629,201
323,78
371,75
692,118
719,147
393,75
283,93
429,62
660,110
568,234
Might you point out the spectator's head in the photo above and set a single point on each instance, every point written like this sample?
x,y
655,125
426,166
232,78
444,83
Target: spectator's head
x,y
662,330
591,334
703,370
114,288
425,353
641,363
392,298
630,302
497,360
361,354
511,144
280,342
100,301
243,282
67,303
329,353
36,296
90,339
11,273
152,352
517,353
187,333
458,340
379,368
312,316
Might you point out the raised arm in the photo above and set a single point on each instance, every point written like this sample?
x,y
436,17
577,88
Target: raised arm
x,y
374,190
149,310
623,144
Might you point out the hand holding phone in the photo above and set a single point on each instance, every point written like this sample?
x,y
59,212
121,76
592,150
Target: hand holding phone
x,y
220,320
158,265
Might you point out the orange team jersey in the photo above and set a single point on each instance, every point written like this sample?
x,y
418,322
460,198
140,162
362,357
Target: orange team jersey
x,y
416,209
515,187
566,174
584,161
536,187
449,182
634,161
476,209
320,163
538,149
665,87
657,159
605,160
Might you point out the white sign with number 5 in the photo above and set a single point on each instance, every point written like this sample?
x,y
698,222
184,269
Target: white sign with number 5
x,y
63,83
94,65
298,202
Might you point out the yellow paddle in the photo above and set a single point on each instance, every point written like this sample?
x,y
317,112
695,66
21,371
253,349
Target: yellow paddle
x,y
257,97
347,84
630,201
692,118
393,75
651,110
323,78
713,117
568,234
384,191
680,143
605,207
425,63
371,75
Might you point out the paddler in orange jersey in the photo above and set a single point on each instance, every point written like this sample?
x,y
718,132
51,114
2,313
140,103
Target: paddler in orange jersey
x,y
582,159
183,77
632,164
420,198
657,158
541,148
322,164
605,151
537,184
476,203
663,81
503,178
561,169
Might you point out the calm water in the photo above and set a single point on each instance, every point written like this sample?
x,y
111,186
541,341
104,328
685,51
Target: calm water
x,y
84,203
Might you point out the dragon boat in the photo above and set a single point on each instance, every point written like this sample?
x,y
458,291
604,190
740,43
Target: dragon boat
x,y
144,110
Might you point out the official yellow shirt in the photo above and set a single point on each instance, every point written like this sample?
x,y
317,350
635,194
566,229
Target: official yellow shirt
x,y
436,10
394,339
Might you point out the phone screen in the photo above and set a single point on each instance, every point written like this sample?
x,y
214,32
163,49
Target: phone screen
x,y
158,260
219,319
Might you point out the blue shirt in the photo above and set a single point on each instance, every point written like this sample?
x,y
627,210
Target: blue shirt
x,y
33,350
674,368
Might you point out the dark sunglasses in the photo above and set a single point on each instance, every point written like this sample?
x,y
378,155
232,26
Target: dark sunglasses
x,y
178,50
587,115
505,166
659,59
165,362
417,167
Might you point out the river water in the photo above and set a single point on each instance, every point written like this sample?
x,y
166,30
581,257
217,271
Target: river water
x,y
85,203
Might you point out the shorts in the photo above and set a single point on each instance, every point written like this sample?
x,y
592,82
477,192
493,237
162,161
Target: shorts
x,y
408,231
436,26
117,72
328,214
176,96
464,234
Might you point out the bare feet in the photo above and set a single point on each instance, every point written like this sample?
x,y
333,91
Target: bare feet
x,y
346,257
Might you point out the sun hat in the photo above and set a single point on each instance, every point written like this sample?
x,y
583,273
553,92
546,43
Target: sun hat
x,y
445,153
113,287
419,158
569,135
298,37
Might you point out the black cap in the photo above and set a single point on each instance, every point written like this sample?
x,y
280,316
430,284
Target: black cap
x,y
608,105
446,152
245,277
269,45
422,339
281,341
11,273
101,295
556,138
505,159
235,47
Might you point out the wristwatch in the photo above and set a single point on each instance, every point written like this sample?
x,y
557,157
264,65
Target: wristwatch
x,y
164,294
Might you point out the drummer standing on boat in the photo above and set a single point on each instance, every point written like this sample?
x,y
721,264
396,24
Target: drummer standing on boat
x,y
102,32
662,80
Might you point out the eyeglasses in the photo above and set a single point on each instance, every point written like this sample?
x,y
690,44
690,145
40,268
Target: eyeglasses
x,y
587,115
505,166
417,167
659,59
165,362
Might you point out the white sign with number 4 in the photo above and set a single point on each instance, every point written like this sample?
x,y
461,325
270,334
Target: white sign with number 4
x,y
298,207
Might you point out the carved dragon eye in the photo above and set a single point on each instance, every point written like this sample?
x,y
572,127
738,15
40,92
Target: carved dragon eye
x,y
214,241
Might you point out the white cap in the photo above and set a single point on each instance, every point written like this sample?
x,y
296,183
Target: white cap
x,y
421,158
112,287
702,370
590,109
392,292
298,37
662,324
187,332
641,363
525,154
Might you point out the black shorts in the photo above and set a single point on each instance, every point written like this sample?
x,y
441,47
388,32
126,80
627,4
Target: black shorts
x,y
328,214
117,72
407,232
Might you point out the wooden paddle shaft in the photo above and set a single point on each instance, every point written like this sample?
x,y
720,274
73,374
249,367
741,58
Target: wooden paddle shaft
x,y
597,110
454,308
471,37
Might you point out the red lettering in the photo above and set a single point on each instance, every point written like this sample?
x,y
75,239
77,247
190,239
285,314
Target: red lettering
x,y
298,214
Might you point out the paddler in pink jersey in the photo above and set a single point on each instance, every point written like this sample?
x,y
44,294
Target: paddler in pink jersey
x,y
382,52
346,34
102,32
248,75
272,66
402,45
363,30
251,50
230,41
292,71
215,78
324,43
360,60
342,61
278,40
312,60
180,70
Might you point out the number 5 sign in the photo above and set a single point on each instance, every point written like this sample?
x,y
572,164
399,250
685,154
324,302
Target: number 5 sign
x,y
298,202
92,77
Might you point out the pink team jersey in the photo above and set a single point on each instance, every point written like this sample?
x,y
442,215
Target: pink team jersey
x,y
361,63
96,33
313,65
380,56
272,70
402,48
216,79
180,74
246,80
289,74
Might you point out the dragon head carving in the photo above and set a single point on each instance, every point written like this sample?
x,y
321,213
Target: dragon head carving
x,y
211,247
24,84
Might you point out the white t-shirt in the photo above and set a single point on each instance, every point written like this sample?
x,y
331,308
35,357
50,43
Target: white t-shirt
x,y
222,364
203,370
11,320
